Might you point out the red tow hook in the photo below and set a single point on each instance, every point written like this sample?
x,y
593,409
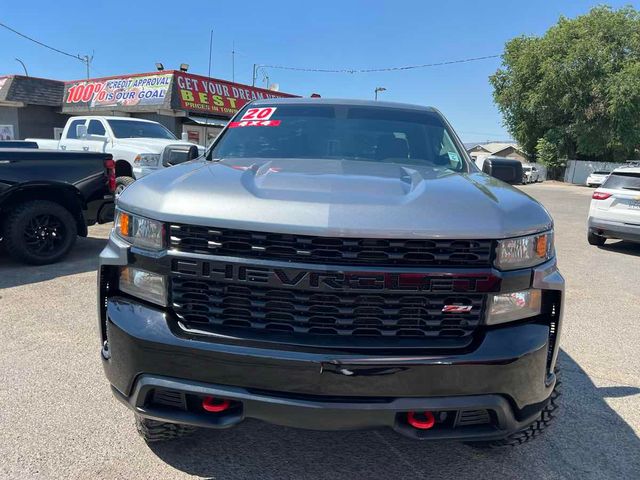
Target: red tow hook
x,y
425,424
215,405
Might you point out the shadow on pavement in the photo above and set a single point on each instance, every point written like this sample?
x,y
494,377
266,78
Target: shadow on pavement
x,y
589,440
628,248
82,258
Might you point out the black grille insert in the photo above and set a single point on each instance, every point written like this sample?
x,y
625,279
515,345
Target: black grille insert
x,y
327,250
220,305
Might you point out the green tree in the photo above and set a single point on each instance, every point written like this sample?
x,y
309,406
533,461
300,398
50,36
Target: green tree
x,y
547,153
577,86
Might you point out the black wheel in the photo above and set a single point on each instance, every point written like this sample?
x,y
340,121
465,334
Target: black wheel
x,y
40,232
548,414
594,239
154,431
122,183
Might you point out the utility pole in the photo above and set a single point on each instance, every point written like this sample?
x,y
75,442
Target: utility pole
x,y
233,61
206,125
253,77
210,48
86,59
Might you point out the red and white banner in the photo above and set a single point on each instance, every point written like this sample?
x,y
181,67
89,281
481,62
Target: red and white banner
x,y
202,94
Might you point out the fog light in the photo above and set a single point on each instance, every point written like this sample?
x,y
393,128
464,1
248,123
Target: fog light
x,y
148,286
507,307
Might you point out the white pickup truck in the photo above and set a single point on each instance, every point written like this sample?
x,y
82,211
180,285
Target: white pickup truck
x,y
138,146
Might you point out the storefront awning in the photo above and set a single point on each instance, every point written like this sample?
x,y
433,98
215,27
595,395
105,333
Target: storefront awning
x,y
211,122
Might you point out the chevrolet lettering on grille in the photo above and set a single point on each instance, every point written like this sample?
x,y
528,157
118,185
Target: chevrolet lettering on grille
x,y
337,280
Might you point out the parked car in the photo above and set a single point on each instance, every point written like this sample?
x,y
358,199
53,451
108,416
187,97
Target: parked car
x,y
48,198
505,169
615,208
530,174
595,179
138,146
333,264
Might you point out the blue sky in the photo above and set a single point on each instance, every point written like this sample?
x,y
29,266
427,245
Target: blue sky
x,y
129,37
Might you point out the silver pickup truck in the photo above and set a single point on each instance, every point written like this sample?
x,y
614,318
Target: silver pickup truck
x,y
334,265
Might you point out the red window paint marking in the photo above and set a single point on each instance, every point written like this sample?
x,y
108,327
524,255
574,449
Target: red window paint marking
x,y
258,113
254,123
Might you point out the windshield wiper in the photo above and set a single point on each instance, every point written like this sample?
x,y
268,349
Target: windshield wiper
x,y
632,188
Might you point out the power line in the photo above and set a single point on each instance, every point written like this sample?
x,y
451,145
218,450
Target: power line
x,y
86,59
386,69
78,57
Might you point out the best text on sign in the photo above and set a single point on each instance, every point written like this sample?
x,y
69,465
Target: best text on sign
x,y
216,96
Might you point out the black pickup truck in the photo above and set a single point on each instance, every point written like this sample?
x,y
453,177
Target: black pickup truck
x,y
48,198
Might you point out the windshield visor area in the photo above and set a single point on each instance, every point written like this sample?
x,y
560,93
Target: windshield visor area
x,y
374,134
135,129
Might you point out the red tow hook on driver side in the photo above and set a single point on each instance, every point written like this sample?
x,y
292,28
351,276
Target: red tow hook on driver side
x,y
428,422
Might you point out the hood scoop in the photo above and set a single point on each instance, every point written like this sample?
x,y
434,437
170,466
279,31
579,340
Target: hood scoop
x,y
330,181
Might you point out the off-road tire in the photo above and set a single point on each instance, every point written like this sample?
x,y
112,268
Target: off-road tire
x,y
594,239
122,183
18,221
154,431
548,414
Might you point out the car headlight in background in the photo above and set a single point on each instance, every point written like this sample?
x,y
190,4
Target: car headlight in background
x,y
148,286
147,160
507,307
523,252
139,231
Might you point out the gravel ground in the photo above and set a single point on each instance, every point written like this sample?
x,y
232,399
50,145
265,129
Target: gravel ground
x,y
59,420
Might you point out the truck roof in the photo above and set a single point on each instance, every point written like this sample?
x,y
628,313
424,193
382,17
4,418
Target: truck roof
x,y
627,169
340,101
111,117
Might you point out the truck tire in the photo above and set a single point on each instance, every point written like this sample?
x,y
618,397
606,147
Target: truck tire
x,y
122,183
39,232
548,414
154,431
594,239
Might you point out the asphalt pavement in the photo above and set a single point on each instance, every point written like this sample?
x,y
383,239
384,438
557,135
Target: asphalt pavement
x,y
58,418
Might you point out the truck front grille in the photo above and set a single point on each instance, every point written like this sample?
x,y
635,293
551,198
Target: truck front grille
x,y
330,250
219,305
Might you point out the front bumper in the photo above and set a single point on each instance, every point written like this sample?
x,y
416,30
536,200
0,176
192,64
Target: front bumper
x,y
619,230
508,373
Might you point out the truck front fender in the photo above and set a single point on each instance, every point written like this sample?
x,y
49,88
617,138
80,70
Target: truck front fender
x,y
64,194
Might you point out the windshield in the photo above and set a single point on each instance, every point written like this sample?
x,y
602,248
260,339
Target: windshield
x,y
136,129
624,180
379,134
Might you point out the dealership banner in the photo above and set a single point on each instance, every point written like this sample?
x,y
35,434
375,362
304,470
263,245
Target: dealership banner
x,y
130,91
218,97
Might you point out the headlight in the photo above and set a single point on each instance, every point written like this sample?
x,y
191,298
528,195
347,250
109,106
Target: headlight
x,y
523,252
139,231
148,286
506,307
147,160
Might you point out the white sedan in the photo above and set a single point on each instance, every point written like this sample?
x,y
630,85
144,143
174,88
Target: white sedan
x,y
595,179
615,208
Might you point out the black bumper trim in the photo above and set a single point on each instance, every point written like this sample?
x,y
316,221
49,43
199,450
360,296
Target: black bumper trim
x,y
330,414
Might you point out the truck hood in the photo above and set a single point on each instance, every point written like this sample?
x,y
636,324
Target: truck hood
x,y
147,145
336,198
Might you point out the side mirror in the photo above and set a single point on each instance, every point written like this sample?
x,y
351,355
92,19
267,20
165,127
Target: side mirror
x,y
81,131
185,137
